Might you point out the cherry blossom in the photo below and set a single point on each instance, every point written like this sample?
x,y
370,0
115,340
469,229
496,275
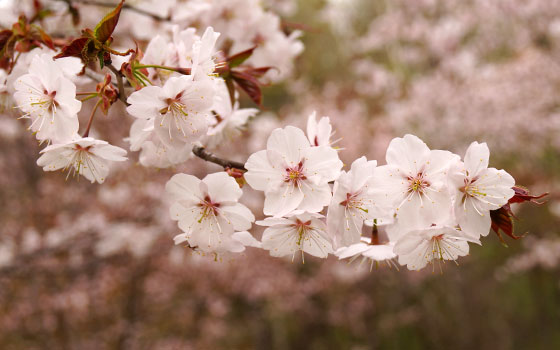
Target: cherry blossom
x,y
82,156
319,133
208,211
48,99
352,203
180,109
153,153
414,183
204,53
375,253
478,189
293,174
420,247
229,121
300,231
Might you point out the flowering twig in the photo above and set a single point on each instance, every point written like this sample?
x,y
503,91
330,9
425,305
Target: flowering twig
x,y
92,115
200,152
120,84
125,6
186,71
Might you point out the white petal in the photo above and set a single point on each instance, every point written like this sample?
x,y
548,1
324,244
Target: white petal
x,y
183,186
322,161
261,175
314,197
407,153
289,142
222,187
238,215
282,201
476,158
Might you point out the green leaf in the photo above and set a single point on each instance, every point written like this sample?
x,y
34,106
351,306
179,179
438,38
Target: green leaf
x,y
240,57
104,29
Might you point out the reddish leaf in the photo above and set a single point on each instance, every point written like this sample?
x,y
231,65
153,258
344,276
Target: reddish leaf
x,y
502,221
249,84
257,72
239,58
45,38
75,48
104,29
523,195
231,89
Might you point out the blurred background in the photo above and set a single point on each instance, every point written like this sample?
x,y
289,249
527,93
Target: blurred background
x,y
86,266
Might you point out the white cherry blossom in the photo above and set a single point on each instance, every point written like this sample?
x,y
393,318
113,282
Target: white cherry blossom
x,y
82,156
478,189
319,133
153,153
208,211
352,204
204,53
229,121
414,183
180,109
375,253
419,247
48,98
300,231
293,174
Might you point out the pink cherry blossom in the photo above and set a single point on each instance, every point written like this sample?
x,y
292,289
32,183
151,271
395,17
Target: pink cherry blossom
x,y
48,98
300,231
208,211
478,189
293,174
83,156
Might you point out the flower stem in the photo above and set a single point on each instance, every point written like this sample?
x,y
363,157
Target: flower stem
x,y
374,233
90,121
185,71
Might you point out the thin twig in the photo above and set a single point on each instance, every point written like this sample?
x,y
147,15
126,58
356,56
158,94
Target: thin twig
x,y
92,115
200,152
125,6
120,85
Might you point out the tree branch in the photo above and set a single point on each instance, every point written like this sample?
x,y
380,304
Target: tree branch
x,y
120,84
201,153
125,6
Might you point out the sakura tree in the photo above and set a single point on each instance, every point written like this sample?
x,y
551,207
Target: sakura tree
x,y
184,88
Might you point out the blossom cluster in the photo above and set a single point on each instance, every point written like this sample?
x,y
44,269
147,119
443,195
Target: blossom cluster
x,y
48,98
429,204
183,92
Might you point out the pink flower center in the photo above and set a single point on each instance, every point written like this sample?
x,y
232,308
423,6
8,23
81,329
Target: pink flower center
x,y
295,174
417,183
208,208
301,228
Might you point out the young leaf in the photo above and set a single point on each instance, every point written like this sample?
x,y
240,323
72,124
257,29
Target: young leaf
x,y
75,48
249,84
104,29
502,221
523,195
240,57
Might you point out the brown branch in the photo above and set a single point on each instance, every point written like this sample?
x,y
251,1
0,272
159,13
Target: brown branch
x,y
125,6
120,84
201,153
